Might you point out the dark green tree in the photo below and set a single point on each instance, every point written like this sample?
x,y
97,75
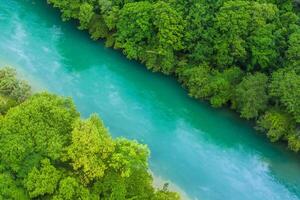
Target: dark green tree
x,y
251,96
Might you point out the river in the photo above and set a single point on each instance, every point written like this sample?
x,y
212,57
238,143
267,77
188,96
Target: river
x,y
206,153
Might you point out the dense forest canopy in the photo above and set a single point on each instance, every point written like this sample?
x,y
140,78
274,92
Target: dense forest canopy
x,y
48,152
244,54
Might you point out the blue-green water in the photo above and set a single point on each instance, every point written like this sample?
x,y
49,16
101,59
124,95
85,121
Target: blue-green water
x,y
207,153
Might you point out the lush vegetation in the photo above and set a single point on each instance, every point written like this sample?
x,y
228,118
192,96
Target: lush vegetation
x,y
244,54
48,152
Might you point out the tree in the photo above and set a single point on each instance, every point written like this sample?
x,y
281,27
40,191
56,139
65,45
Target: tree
x,y
293,56
245,35
90,147
9,188
135,28
154,35
6,103
69,8
11,87
39,127
277,124
43,181
70,188
197,80
223,85
85,15
218,87
199,35
251,96
294,141
285,87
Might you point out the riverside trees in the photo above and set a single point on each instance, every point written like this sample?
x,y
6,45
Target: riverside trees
x,y
240,53
48,152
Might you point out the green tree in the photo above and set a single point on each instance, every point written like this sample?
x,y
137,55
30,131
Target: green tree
x,y
246,34
11,87
277,124
223,85
6,103
285,86
91,146
197,80
85,15
9,188
43,181
70,188
218,87
293,55
294,141
151,32
39,127
251,96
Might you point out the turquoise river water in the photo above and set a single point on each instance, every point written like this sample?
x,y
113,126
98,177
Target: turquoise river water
x,y
205,153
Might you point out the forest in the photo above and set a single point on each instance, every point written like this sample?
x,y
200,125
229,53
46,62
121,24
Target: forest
x,y
48,152
242,54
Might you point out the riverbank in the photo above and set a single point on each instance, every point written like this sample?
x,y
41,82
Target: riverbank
x,y
253,81
159,182
209,153
73,157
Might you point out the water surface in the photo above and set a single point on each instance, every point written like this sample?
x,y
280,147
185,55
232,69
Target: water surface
x,y
210,154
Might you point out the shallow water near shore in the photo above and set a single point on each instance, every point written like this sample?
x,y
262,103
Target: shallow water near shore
x,y
210,154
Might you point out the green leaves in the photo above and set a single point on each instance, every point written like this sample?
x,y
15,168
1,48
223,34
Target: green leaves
x,y
277,124
42,181
10,189
151,32
90,148
70,188
218,87
197,80
85,15
11,87
285,87
251,95
6,103
135,28
293,54
128,155
245,34
41,125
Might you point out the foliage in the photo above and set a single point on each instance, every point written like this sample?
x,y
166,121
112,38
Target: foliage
x,y
285,86
90,147
38,127
9,188
6,103
251,95
277,124
203,82
40,182
12,90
